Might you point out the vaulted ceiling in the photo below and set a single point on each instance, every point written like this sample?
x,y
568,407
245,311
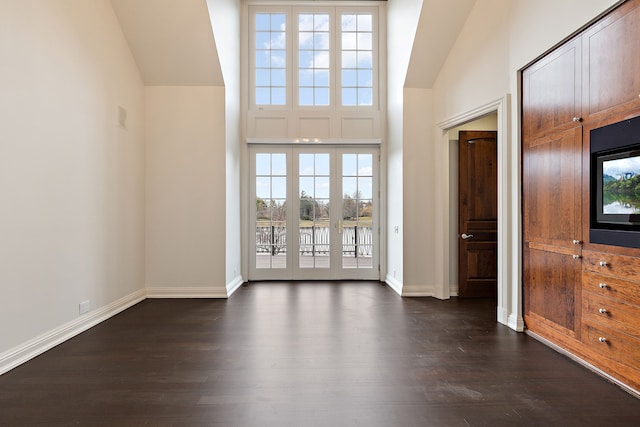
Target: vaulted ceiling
x,y
440,23
173,42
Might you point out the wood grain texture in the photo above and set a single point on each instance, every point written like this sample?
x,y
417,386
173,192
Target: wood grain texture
x,y
552,91
611,58
478,214
596,77
308,354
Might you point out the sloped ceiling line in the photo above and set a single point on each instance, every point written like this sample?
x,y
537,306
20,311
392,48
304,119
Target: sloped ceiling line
x,y
171,41
438,28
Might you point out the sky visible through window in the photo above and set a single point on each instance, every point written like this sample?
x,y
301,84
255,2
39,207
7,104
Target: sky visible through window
x,y
314,59
271,59
357,59
271,172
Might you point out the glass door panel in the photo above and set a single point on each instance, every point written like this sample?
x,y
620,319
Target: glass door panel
x,y
357,211
314,221
271,211
334,234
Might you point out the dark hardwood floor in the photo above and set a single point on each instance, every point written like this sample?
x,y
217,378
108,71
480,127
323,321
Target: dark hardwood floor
x,y
309,354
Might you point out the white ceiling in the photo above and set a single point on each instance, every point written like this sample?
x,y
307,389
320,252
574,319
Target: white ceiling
x,y
171,40
440,24
173,43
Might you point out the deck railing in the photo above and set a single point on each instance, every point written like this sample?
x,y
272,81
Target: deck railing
x,y
356,240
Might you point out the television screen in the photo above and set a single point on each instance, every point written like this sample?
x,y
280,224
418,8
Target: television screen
x,y
621,185
615,184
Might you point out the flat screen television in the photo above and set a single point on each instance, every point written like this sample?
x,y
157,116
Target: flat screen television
x,y
615,184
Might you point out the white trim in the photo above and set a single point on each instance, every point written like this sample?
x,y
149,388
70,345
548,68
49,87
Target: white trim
x,y
186,292
474,114
625,387
515,322
38,345
509,309
417,291
313,141
394,284
234,285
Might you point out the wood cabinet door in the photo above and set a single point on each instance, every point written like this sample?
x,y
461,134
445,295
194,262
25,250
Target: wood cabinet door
x,y
552,292
552,196
552,207
551,90
611,58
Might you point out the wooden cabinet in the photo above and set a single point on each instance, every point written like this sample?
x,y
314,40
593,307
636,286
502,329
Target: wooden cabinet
x,y
611,313
581,296
611,58
552,91
552,198
552,278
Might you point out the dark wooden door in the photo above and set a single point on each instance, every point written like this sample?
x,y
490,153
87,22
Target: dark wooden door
x,y
478,214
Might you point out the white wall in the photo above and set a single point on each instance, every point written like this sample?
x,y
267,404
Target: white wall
x,y
71,180
225,20
185,201
402,21
420,189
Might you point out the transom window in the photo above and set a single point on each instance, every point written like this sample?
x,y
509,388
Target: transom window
x,y
271,59
329,60
314,58
357,59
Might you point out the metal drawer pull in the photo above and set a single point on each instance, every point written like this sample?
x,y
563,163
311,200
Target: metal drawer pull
x,y
602,339
577,257
604,264
577,119
603,311
576,242
603,286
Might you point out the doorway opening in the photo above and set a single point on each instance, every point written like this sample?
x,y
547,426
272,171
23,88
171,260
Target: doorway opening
x,y
477,212
314,213
509,293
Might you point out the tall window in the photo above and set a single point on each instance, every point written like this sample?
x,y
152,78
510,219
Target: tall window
x,y
314,57
271,59
357,59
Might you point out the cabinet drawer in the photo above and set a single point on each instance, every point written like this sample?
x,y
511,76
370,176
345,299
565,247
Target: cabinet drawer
x,y
624,267
612,344
612,313
611,287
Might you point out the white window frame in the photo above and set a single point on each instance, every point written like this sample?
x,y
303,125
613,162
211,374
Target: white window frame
x,y
292,56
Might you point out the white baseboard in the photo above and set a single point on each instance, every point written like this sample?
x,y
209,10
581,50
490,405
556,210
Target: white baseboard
x,y
186,292
38,345
394,284
234,285
516,323
417,291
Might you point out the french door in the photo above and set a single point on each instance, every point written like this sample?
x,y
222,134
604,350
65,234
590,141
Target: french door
x,y
314,213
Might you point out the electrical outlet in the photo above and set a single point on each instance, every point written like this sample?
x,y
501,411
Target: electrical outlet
x,y
84,307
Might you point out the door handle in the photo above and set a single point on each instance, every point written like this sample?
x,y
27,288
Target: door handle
x,y
339,226
466,236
